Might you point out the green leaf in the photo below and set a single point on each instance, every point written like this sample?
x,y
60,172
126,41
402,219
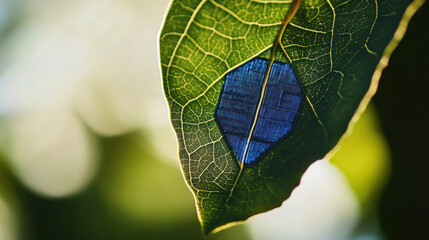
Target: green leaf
x,y
337,49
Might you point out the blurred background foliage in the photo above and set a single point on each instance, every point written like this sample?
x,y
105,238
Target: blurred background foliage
x,y
87,152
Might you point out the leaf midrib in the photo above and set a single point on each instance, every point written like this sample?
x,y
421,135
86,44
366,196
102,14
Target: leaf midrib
x,y
277,41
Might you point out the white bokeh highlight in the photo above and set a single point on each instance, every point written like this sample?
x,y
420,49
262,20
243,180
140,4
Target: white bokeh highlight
x,y
322,207
52,152
71,64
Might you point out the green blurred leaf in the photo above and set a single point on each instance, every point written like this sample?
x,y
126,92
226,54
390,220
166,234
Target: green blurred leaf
x,y
334,48
364,158
130,184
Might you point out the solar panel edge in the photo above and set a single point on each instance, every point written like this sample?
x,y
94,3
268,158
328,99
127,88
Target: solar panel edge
x,y
279,69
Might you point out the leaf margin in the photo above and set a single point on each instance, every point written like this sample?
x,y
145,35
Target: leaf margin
x,y
383,62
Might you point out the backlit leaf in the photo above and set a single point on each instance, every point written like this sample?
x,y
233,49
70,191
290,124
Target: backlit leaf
x,y
336,48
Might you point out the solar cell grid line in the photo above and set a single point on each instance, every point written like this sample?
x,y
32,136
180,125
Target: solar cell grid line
x,y
238,105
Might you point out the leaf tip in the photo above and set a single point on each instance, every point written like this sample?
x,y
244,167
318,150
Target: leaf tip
x,y
212,227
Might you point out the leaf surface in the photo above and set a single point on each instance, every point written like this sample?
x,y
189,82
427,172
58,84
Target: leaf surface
x,y
337,49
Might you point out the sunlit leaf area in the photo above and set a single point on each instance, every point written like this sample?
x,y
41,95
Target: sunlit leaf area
x,y
87,150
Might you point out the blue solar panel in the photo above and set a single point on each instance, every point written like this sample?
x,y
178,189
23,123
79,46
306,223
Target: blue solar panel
x,y
239,102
